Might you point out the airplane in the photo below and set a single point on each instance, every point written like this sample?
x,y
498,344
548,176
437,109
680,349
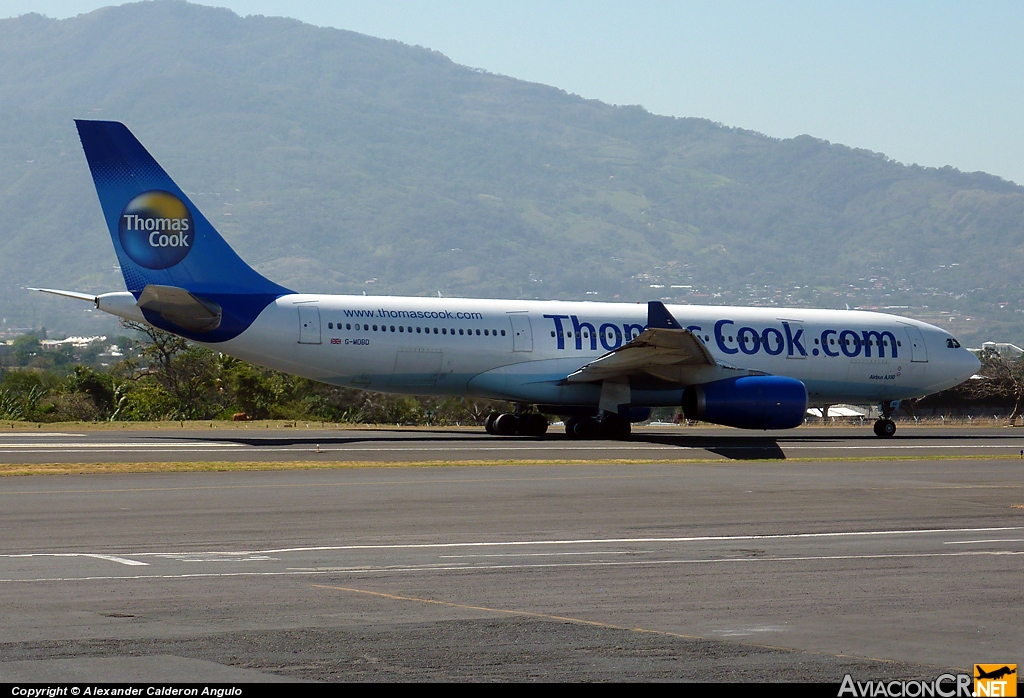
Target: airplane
x,y
599,366
995,674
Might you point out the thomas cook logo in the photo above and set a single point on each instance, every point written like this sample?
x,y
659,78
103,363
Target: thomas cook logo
x,y
156,229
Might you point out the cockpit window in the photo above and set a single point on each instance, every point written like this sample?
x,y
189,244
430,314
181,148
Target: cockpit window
x,y
952,343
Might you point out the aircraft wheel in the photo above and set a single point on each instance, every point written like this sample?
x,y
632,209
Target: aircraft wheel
x,y
489,424
534,424
587,428
570,427
507,424
885,428
615,427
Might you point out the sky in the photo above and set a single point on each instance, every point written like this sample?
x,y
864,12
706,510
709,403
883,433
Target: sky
x,y
933,83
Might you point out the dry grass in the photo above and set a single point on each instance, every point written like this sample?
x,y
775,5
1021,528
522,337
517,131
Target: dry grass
x,y
15,469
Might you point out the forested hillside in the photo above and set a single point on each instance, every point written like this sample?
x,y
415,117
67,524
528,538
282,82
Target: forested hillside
x,y
337,162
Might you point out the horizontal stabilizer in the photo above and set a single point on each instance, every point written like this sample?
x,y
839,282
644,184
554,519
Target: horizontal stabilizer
x,y
178,306
90,297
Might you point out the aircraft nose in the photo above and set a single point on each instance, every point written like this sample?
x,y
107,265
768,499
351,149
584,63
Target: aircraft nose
x,y
971,364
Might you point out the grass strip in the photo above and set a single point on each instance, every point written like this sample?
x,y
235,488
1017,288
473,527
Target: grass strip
x,y
16,469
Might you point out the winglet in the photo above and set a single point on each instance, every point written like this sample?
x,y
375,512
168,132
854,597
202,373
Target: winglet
x,y
658,317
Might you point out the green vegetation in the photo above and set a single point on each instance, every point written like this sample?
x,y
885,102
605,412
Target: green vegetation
x,y
999,383
335,162
163,377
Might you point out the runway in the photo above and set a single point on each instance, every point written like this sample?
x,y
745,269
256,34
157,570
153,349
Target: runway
x,y
429,445
715,565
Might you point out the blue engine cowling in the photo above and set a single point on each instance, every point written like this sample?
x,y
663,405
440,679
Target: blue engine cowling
x,y
751,402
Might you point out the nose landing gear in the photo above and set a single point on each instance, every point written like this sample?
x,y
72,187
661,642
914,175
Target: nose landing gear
x,y
885,427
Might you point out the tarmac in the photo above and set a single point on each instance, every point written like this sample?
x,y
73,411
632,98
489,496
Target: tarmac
x,y
676,556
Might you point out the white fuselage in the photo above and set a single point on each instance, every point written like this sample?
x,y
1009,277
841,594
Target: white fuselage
x,y
523,350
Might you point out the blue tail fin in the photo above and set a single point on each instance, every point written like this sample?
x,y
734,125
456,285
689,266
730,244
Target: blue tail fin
x,y
162,239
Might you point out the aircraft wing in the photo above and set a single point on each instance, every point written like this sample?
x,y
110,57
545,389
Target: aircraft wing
x,y
665,350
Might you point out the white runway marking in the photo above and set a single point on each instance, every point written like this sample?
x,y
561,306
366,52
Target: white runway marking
x,y
991,540
551,565
97,556
615,541
559,554
225,555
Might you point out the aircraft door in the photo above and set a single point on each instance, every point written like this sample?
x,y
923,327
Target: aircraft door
x,y
416,367
795,340
918,350
309,324
522,331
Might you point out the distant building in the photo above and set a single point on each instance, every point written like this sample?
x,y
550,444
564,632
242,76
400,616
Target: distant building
x,y
1003,349
73,342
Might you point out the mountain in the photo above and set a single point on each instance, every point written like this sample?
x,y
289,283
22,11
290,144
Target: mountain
x,y
337,162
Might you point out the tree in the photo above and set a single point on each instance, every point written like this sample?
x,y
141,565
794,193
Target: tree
x,y
187,373
1001,378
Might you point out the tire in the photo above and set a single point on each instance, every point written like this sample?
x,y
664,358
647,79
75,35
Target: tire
x,y
885,428
615,428
570,427
507,424
588,429
534,424
489,424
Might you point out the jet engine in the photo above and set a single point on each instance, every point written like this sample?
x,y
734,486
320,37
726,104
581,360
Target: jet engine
x,y
750,402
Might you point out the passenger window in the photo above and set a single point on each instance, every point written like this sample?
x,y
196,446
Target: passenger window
x,y
374,328
435,330
330,326
460,330
487,333
503,333
478,333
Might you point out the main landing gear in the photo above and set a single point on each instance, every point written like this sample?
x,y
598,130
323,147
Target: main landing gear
x,y
885,427
516,424
610,426
524,423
